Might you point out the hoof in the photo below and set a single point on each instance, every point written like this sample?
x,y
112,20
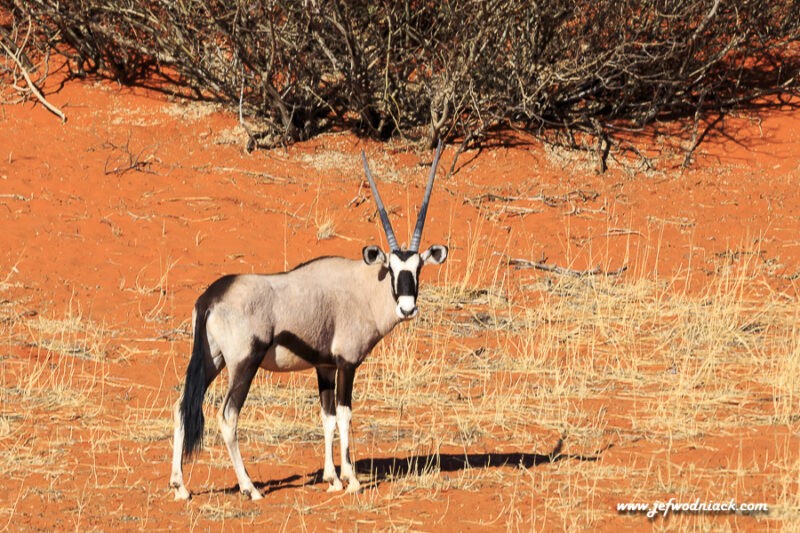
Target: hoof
x,y
181,494
253,494
353,487
335,486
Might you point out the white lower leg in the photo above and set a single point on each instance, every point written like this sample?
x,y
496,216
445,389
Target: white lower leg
x,y
329,471
176,478
228,429
343,416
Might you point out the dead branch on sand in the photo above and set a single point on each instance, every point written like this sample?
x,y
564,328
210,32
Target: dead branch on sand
x,y
32,86
542,265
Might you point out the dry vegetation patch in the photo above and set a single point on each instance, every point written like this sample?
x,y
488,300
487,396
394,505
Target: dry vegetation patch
x,y
564,392
552,393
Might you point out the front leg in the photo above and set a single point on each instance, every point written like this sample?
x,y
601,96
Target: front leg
x,y
345,375
326,380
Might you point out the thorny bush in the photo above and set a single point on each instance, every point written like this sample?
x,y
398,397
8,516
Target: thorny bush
x,y
457,69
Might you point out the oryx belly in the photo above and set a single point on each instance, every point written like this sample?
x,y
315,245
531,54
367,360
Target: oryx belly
x,y
282,359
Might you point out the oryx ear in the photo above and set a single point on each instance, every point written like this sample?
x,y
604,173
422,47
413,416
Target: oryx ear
x,y
373,255
435,255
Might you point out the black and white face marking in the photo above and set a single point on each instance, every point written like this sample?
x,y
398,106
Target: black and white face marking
x,y
404,267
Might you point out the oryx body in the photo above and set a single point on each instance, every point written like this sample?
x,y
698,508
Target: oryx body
x,y
327,314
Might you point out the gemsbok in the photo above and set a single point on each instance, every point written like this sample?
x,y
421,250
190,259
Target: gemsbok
x,y
327,313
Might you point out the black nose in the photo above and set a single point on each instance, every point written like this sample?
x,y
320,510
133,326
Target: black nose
x,y
408,313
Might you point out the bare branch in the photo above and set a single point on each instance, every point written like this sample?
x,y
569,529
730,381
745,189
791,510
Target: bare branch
x,y
542,265
32,86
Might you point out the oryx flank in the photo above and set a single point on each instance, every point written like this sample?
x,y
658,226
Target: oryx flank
x,y
328,314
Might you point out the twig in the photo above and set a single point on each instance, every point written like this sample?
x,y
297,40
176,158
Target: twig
x,y
687,159
19,197
490,197
463,146
32,86
541,265
252,143
359,198
619,232
516,211
233,170
603,146
134,161
697,139
549,201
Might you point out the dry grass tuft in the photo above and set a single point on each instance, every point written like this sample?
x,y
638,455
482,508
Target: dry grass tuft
x,y
229,511
70,335
326,229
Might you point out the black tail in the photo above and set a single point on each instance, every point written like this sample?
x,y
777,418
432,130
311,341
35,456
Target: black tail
x,y
194,390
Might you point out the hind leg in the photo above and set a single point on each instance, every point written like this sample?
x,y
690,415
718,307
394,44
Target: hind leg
x,y
176,478
213,363
241,377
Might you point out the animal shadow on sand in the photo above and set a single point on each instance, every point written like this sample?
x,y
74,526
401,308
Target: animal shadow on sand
x,y
385,469
293,481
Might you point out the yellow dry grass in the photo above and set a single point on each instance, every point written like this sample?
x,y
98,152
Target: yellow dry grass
x,y
551,398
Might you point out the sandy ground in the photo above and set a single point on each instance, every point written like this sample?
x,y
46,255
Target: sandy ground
x,y
473,418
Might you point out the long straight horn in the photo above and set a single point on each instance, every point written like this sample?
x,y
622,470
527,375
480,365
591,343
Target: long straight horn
x,y
387,226
423,210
